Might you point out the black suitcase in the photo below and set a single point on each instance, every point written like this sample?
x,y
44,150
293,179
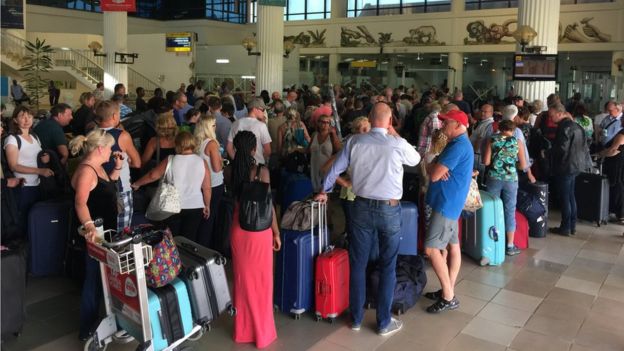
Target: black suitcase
x,y
13,290
221,233
48,224
592,197
539,228
203,272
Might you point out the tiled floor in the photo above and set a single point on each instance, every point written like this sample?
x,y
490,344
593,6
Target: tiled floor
x,y
563,293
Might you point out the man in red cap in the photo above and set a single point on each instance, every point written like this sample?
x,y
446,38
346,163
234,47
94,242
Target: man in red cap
x,y
450,180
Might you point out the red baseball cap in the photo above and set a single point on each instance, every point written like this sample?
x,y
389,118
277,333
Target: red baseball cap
x,y
455,115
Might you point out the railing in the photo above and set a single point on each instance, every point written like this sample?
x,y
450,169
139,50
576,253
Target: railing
x,y
82,61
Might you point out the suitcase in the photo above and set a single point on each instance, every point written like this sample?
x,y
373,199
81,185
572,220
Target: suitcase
x,y
294,276
170,313
48,224
203,272
539,228
296,188
223,225
521,236
484,238
411,186
332,284
409,229
592,194
13,290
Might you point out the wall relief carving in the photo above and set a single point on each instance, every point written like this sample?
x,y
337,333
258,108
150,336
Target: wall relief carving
x,y
359,37
583,33
419,36
479,33
423,35
313,39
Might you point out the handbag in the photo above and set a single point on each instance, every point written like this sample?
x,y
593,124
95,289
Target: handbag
x,y
165,264
256,205
166,200
473,200
298,217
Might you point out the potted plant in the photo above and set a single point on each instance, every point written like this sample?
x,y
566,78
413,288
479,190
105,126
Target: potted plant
x,y
36,62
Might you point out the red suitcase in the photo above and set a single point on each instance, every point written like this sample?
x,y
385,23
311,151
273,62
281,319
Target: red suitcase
x,y
331,286
521,237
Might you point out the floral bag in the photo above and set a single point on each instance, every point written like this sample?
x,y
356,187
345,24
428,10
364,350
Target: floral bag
x,y
473,200
165,264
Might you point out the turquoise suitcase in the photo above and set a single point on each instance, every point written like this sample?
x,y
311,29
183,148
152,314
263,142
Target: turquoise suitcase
x,y
485,232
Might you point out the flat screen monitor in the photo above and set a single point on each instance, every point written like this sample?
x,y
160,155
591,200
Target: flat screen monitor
x,y
535,67
179,42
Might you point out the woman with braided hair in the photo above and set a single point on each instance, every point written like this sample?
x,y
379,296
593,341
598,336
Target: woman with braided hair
x,y
252,255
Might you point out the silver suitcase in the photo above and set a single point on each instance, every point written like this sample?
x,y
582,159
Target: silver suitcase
x,y
203,272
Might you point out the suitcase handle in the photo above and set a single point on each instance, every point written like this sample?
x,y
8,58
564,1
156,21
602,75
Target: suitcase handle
x,y
493,233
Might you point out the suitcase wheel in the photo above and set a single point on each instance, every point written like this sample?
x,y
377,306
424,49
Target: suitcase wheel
x,y
232,311
332,320
296,316
318,318
484,261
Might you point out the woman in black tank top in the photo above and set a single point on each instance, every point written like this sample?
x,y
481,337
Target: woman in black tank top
x,y
96,197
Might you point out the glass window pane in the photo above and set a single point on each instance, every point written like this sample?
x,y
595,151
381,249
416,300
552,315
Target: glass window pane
x,y
315,6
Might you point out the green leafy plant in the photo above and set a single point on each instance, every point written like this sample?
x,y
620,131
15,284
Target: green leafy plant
x,y
36,62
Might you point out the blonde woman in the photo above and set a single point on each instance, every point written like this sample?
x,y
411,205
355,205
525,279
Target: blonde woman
x,y
163,144
210,151
191,177
292,134
96,197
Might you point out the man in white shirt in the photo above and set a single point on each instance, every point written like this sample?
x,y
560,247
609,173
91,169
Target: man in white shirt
x,y
253,124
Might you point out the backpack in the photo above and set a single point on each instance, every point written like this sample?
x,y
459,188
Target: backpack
x,y
55,186
296,162
529,205
256,205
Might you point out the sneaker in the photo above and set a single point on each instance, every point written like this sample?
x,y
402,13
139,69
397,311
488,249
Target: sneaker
x,y
356,326
512,250
442,305
434,295
557,230
394,326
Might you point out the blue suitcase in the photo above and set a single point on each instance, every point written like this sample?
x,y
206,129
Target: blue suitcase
x,y
170,315
48,225
296,188
294,272
485,232
409,229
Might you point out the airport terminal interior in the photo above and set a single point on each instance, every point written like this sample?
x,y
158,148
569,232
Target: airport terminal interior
x,y
562,292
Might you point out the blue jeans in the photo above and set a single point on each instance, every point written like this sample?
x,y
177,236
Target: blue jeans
x,y
27,196
565,187
508,192
91,296
370,221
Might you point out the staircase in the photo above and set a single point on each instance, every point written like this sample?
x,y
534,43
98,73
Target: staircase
x,y
84,68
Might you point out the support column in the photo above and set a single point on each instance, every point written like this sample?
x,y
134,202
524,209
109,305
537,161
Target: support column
x,y
392,74
543,16
455,77
338,8
334,76
618,76
271,47
115,40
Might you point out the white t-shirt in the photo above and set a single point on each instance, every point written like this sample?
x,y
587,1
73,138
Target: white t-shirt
x,y
188,176
258,128
27,157
216,178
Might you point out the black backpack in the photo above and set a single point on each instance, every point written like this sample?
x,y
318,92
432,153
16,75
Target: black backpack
x,y
296,162
58,185
256,205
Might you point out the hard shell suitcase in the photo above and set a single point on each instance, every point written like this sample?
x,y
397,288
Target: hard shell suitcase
x,y
170,313
13,290
521,236
223,225
592,195
203,272
296,188
485,232
332,284
48,224
539,228
294,271
409,229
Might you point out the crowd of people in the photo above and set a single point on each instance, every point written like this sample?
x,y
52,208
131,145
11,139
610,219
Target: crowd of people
x,y
360,140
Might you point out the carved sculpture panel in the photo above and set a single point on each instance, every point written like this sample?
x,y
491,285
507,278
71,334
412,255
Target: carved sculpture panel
x,y
314,39
423,35
589,33
479,33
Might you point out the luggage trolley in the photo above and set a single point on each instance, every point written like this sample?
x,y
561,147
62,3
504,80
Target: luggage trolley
x,y
125,293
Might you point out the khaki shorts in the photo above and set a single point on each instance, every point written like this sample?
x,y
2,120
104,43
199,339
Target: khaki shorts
x,y
441,232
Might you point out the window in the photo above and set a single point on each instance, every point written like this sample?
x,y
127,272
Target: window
x,y
490,4
361,8
568,2
299,10
234,11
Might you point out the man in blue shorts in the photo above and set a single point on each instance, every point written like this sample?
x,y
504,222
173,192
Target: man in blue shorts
x,y
450,180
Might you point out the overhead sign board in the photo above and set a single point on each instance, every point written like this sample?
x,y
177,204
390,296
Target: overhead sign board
x,y
118,5
179,42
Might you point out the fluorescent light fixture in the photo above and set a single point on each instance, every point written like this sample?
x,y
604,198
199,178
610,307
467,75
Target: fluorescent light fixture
x,y
349,59
65,49
384,62
318,57
223,61
302,56
248,77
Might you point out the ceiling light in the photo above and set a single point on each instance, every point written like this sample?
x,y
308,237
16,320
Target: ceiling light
x,y
349,59
65,49
223,61
318,57
248,77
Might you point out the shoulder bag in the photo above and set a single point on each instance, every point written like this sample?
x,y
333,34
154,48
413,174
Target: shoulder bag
x,y
166,200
